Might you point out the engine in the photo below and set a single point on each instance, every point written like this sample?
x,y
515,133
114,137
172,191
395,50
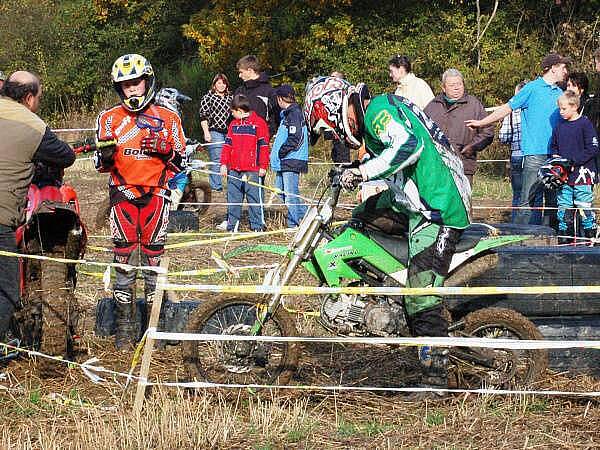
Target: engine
x,y
363,316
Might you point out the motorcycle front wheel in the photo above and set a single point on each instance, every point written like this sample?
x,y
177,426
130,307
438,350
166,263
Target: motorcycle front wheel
x,y
197,192
239,362
498,368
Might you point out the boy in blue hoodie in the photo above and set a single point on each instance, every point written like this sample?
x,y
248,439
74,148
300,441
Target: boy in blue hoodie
x,y
289,155
575,138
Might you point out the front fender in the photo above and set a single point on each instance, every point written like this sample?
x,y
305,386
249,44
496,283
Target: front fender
x,y
280,250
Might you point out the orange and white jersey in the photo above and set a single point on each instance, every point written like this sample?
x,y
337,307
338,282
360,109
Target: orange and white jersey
x,y
135,173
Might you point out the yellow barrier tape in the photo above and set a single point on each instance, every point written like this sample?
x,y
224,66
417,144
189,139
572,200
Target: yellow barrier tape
x,y
98,249
369,290
237,237
126,267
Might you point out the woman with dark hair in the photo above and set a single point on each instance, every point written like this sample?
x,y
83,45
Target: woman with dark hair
x,y
215,110
578,83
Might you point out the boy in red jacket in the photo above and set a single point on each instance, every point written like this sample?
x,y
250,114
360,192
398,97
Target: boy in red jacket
x,y
245,157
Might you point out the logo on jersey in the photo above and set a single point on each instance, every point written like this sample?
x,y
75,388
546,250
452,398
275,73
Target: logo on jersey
x,y
136,153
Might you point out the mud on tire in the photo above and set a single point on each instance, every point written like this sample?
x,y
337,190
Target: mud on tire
x,y
515,368
239,362
59,311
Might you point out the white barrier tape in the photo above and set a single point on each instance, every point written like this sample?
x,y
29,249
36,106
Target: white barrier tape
x,y
264,186
384,290
482,391
126,267
511,344
91,370
71,130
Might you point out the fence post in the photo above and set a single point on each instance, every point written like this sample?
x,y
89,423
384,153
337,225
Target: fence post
x,y
149,346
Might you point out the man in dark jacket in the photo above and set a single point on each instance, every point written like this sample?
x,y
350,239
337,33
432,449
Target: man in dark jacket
x,y
25,140
450,109
257,88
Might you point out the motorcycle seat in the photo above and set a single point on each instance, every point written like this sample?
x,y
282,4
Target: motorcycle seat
x,y
397,246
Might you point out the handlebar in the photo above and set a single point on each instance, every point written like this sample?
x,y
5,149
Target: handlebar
x,y
89,145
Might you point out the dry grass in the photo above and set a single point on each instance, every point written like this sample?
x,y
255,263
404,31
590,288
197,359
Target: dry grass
x,y
99,416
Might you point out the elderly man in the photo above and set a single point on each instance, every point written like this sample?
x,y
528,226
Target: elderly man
x,y
24,141
408,85
539,114
450,109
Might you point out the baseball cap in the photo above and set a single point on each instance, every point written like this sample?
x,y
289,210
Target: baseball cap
x,y
285,90
554,58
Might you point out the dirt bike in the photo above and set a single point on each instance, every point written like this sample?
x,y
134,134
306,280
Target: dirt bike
x,y
187,193
47,318
352,255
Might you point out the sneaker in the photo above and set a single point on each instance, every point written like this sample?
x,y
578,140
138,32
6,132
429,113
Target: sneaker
x,y
222,226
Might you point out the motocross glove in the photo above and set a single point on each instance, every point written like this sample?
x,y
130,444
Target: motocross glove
x,y
351,178
156,145
104,155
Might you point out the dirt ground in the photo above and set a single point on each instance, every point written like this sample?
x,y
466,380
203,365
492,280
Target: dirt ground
x,y
72,412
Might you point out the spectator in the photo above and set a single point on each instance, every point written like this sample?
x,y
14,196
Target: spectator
x,y
340,152
148,150
289,155
450,109
25,140
510,133
409,86
215,110
539,115
592,105
2,79
575,139
258,90
578,83
244,160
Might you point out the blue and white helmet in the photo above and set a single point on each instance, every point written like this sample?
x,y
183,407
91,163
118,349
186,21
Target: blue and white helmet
x,y
171,99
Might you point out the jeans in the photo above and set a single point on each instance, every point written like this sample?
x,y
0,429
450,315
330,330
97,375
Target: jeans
x,y
214,153
236,191
288,183
516,182
531,165
580,196
9,280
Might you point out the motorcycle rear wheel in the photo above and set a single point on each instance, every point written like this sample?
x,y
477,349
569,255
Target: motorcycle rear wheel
x,y
239,362
511,368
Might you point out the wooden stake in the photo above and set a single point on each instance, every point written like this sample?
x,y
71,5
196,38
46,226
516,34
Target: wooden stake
x,y
140,393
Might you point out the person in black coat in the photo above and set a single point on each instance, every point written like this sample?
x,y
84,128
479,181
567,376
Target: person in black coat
x,y
257,88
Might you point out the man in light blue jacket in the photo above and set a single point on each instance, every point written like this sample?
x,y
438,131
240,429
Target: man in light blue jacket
x,y
289,155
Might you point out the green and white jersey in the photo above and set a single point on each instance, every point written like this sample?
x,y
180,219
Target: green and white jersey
x,y
410,152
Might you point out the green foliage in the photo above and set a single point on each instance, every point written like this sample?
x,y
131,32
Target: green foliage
x,y
434,418
72,43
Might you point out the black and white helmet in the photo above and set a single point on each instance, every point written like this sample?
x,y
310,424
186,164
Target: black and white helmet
x,y
555,172
171,99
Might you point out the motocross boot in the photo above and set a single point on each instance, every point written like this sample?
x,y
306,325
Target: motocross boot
x,y
434,367
125,311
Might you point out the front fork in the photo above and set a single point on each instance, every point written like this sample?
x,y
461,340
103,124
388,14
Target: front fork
x,y
299,251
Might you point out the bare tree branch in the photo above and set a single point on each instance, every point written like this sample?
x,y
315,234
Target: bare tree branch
x,y
480,35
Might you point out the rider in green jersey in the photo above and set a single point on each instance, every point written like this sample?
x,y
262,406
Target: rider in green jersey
x,y
427,190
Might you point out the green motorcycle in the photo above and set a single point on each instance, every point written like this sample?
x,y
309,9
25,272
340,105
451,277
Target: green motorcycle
x,y
354,255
